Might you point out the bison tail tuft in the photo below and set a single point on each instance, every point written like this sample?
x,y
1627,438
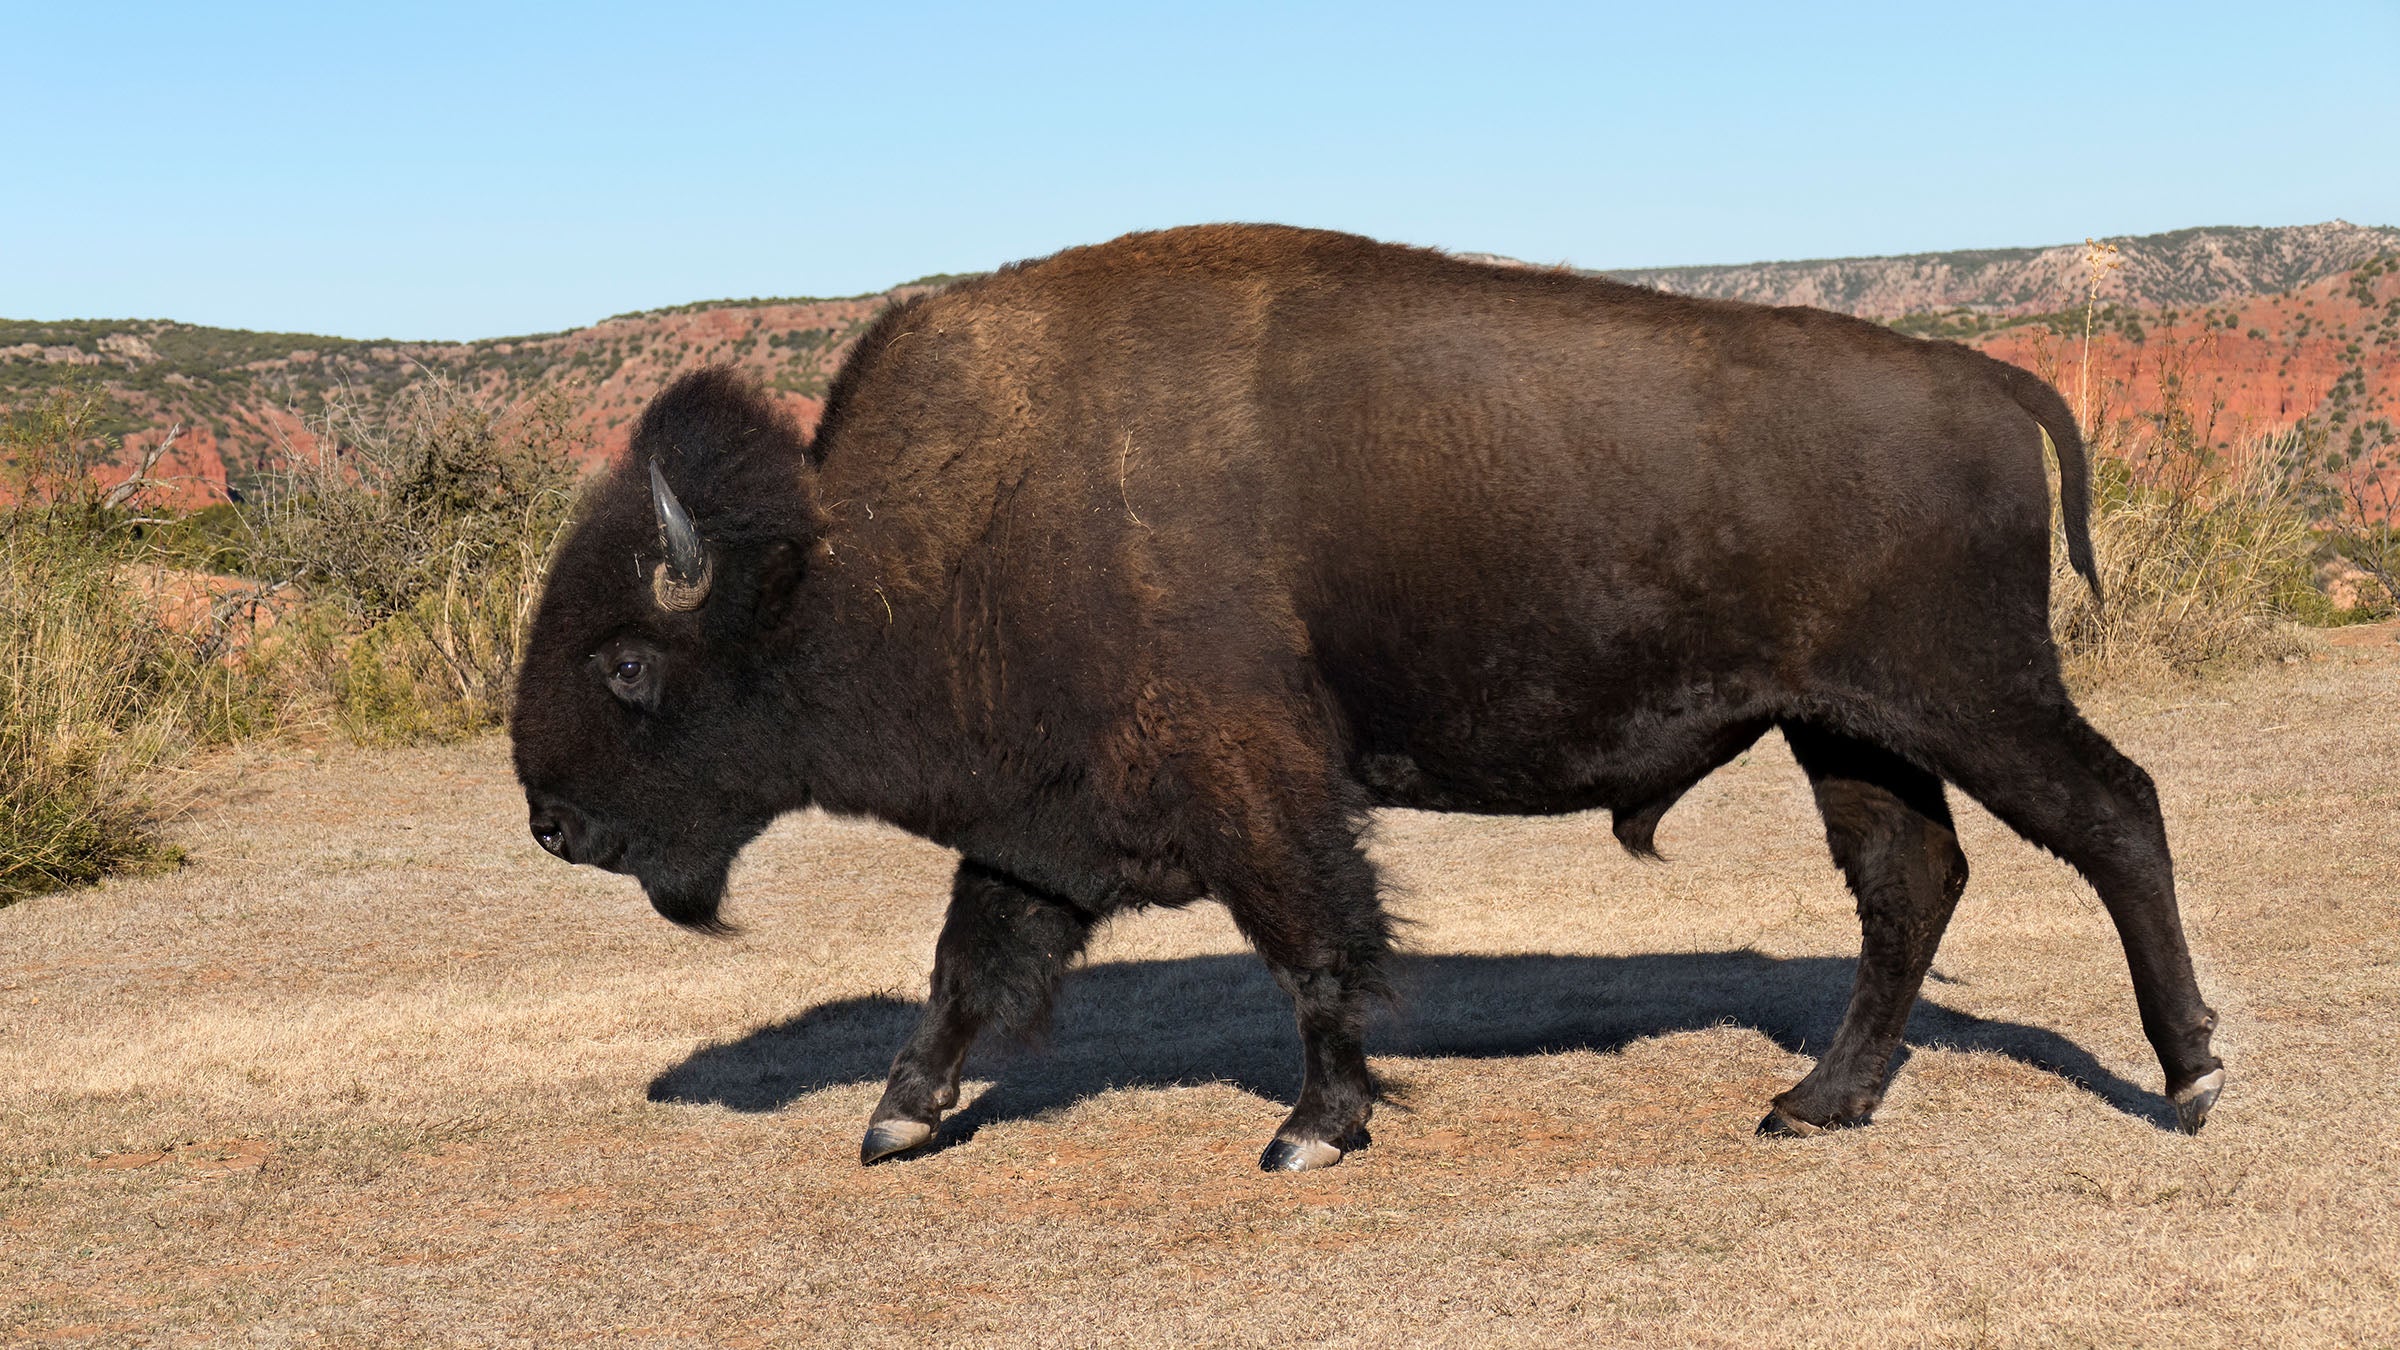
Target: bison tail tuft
x,y
2062,439
2075,504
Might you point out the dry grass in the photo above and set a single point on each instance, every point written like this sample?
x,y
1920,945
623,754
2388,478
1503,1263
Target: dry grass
x,y
374,1070
418,533
96,695
83,726
2207,542
2199,578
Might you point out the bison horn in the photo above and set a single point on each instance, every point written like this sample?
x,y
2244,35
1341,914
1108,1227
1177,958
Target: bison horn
x,y
681,582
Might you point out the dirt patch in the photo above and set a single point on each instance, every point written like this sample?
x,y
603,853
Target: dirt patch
x,y
2371,636
376,1070
200,1159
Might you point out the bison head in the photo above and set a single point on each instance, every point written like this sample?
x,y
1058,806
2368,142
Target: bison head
x,y
657,682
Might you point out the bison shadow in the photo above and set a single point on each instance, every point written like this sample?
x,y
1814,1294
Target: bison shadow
x,y
1220,1019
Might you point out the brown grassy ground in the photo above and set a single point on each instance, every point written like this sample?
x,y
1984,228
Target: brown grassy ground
x,y
375,1070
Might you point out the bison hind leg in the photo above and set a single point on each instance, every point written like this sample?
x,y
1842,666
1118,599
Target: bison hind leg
x,y
2052,778
1888,825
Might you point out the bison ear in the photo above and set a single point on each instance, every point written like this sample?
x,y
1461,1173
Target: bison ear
x,y
780,568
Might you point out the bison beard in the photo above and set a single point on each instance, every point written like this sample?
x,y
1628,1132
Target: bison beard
x,y
691,898
1144,572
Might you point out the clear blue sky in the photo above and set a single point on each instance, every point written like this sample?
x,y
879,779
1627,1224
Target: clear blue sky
x,y
456,170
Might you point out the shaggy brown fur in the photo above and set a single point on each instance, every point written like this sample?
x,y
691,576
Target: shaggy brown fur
x,y
1139,573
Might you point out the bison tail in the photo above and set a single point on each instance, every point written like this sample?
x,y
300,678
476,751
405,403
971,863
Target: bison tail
x,y
2061,437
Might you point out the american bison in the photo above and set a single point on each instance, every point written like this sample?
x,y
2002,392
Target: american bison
x,y
1141,573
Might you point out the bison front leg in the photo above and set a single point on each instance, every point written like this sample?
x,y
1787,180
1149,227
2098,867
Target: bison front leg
x,y
1890,831
1337,1093
1325,938
1003,949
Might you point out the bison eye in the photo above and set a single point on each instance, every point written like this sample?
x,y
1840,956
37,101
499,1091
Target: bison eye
x,y
631,670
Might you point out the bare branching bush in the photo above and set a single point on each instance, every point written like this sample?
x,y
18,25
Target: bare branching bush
x,y
417,533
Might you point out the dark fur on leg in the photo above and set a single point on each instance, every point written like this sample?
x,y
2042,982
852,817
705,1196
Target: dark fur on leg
x,y
1003,950
2060,784
1890,832
1332,975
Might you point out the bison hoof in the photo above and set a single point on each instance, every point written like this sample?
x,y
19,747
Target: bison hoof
x,y
1777,1125
2193,1103
885,1138
1298,1155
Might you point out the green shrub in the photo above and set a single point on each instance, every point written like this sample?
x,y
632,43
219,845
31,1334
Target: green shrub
x,y
2354,488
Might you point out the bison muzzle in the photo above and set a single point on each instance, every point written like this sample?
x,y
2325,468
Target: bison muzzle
x,y
1142,573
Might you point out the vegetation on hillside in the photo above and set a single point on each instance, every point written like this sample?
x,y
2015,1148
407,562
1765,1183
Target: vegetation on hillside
x,y
238,388
218,378
418,533
2181,269
378,579
2353,449
383,589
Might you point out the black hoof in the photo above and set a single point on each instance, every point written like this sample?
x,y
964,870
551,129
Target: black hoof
x,y
1298,1155
1777,1125
2193,1103
890,1138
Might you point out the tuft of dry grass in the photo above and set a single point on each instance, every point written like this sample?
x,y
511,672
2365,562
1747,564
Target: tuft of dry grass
x,y
84,722
94,695
2197,577
374,1069
2207,544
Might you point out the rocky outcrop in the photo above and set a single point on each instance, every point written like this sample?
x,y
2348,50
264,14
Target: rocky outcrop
x,y
2267,326
2211,265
